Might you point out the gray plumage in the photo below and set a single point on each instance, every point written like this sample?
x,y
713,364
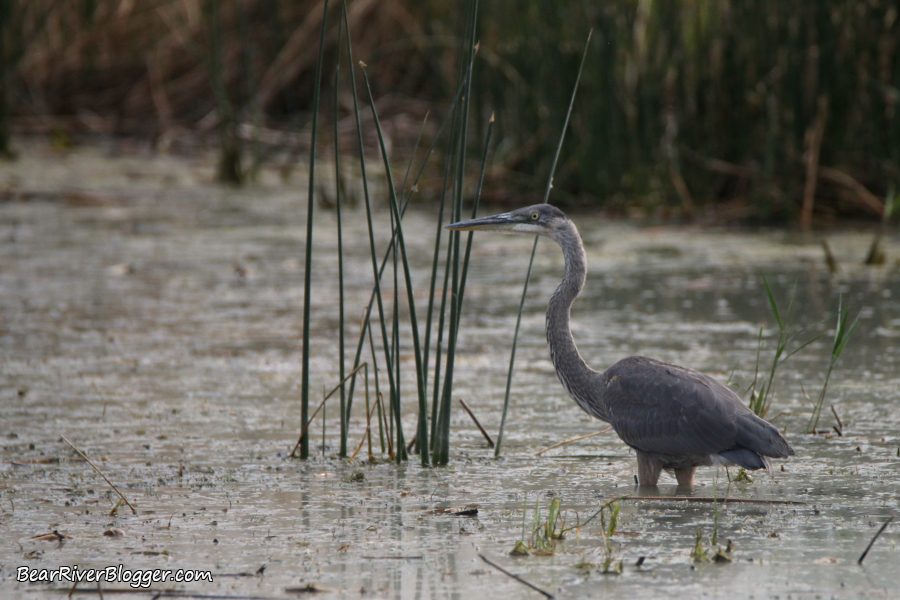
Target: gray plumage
x,y
675,418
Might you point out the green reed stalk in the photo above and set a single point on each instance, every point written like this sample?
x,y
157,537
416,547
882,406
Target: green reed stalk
x,y
441,452
381,432
307,276
362,162
422,431
395,225
465,265
390,249
476,201
345,414
434,268
461,81
512,355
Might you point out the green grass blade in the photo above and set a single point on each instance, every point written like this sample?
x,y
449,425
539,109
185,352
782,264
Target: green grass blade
x,y
842,335
435,405
772,304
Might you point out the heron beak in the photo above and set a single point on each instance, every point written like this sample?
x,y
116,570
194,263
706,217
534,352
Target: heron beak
x,y
492,223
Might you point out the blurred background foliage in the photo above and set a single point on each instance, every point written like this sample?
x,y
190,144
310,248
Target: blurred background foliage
x,y
732,110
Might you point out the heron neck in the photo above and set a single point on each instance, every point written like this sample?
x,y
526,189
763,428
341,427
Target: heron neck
x,y
573,372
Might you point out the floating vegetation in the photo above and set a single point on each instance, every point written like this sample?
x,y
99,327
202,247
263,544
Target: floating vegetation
x,y
545,535
709,551
608,529
742,476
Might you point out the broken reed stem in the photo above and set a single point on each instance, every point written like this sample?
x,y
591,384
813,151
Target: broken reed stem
x,y
840,427
570,440
368,416
477,424
321,404
872,543
382,415
366,435
709,500
516,577
105,478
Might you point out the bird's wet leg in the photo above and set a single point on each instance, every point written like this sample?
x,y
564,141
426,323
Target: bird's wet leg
x,y
649,469
685,477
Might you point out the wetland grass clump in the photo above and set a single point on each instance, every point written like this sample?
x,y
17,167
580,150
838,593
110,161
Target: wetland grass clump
x,y
610,566
544,533
609,521
761,395
761,392
709,551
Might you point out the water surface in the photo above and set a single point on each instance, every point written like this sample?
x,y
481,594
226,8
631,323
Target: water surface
x,y
154,320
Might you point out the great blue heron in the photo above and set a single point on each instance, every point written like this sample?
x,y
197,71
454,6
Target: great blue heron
x,y
675,418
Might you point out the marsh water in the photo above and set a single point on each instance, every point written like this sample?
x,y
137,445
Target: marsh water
x,y
153,319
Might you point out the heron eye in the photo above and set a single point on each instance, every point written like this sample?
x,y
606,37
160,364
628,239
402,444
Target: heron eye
x,y
535,216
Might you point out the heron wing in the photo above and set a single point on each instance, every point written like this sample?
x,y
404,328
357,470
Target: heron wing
x,y
662,408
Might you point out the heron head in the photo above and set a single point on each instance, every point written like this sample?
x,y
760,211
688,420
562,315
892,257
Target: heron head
x,y
539,219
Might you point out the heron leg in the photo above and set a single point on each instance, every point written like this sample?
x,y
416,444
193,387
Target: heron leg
x,y
685,476
649,468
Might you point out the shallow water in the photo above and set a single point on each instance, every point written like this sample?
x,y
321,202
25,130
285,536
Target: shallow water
x,y
154,320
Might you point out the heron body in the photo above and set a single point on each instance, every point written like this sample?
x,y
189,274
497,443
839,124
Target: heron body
x,y
675,418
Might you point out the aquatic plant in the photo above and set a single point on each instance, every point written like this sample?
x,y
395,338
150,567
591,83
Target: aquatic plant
x,y
842,333
544,534
609,520
431,442
710,551
307,277
761,393
610,566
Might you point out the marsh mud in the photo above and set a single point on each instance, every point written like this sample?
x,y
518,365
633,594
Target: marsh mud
x,y
154,320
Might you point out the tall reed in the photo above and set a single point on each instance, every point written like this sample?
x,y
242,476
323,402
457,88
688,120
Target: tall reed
x,y
441,448
386,346
307,277
338,192
512,354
